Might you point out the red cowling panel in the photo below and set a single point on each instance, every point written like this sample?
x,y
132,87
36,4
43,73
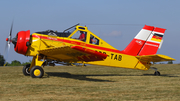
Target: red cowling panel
x,y
22,38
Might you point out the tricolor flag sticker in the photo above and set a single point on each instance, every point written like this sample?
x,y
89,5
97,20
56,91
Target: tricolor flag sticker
x,y
157,37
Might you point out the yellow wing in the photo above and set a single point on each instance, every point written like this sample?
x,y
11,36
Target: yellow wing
x,y
72,54
155,58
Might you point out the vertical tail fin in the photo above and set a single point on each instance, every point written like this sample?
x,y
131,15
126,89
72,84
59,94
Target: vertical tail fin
x,y
139,40
153,43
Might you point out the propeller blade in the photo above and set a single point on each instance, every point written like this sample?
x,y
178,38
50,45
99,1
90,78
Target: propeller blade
x,y
7,47
10,33
6,53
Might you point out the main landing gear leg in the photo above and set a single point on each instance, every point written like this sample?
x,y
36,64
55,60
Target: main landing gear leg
x,y
35,70
156,73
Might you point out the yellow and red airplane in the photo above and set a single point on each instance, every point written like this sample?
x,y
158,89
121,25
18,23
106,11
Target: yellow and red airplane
x,y
79,45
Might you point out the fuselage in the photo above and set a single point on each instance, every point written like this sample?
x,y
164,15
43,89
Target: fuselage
x,y
115,57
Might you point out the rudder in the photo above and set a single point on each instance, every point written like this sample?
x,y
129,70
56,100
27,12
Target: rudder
x,y
139,40
153,43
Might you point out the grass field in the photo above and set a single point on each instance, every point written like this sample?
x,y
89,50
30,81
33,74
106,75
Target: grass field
x,y
91,83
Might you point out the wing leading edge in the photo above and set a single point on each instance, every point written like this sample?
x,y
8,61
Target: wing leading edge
x,y
155,58
73,54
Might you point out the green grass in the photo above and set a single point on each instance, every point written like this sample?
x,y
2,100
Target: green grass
x,y
91,83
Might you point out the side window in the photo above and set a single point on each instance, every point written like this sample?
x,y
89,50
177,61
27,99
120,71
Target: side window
x,y
80,35
94,40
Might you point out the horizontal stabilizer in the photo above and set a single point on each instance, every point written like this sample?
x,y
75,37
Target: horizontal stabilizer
x,y
155,58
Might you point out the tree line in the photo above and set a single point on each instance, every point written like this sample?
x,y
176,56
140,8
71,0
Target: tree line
x,y
13,63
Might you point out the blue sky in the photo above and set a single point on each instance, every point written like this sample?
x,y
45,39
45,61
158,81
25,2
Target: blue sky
x,y
115,21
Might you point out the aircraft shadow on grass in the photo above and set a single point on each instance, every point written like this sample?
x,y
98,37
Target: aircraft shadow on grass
x,y
84,77
79,77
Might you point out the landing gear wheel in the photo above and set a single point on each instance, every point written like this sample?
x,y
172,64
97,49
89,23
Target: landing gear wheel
x,y
157,73
37,72
25,70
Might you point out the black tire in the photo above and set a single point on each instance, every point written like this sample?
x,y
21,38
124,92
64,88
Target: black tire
x,y
37,72
157,73
25,70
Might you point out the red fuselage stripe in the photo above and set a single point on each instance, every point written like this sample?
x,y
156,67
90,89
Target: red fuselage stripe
x,y
78,43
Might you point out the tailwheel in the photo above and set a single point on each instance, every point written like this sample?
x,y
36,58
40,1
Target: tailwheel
x,y
37,72
25,70
157,73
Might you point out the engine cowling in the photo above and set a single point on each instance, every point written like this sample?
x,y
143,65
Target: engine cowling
x,y
22,38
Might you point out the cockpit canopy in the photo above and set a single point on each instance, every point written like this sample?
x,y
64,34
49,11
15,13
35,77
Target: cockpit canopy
x,y
65,33
55,33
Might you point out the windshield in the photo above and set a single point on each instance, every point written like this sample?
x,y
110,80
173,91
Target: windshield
x,y
71,29
65,33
